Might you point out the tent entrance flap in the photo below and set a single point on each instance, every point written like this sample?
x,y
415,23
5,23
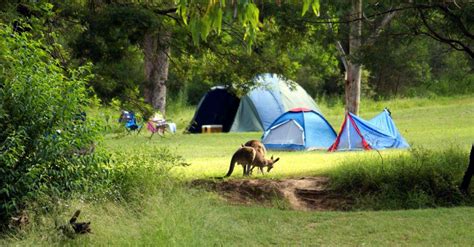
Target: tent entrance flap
x,y
299,129
286,133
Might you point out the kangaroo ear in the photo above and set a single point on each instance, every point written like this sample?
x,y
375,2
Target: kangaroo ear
x,y
242,145
271,157
277,159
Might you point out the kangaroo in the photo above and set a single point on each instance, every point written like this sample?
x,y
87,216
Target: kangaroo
x,y
243,156
248,157
79,227
264,162
257,145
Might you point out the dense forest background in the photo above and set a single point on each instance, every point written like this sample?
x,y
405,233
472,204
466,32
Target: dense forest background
x,y
109,36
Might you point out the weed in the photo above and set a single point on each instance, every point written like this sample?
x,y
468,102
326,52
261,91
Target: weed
x,y
417,179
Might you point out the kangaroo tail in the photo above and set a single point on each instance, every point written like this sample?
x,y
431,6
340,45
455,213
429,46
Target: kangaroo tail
x,y
74,217
231,167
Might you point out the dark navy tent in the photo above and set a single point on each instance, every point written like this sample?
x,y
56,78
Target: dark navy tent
x,y
299,129
377,133
217,107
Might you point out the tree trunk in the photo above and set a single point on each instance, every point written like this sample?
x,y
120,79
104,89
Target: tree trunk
x,y
466,181
156,49
354,70
352,87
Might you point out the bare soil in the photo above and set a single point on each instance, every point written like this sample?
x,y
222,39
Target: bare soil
x,y
306,193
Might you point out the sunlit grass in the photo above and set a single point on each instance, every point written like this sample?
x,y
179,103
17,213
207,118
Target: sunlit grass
x,y
428,123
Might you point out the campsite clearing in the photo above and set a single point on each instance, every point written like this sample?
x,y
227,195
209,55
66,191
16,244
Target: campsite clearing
x,y
432,124
179,215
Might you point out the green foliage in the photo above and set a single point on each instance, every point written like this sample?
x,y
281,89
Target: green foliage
x,y
415,66
46,141
451,74
206,17
221,60
132,172
314,6
418,179
118,78
112,42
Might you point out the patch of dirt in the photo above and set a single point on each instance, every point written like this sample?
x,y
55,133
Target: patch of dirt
x,y
306,193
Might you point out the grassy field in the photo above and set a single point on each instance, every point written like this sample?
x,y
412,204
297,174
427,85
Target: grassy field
x,y
177,215
433,124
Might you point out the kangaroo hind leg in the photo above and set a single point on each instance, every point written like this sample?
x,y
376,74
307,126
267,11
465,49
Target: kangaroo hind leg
x,y
246,169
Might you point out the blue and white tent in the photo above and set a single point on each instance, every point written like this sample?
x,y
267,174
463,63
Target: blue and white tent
x,y
377,133
274,96
299,129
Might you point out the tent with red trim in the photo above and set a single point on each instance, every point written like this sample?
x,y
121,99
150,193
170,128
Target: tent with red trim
x,y
299,129
377,133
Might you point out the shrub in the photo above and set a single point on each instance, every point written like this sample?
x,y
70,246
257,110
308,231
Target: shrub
x,y
135,173
421,178
47,144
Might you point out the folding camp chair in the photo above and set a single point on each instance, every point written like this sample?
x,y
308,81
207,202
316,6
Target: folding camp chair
x,y
128,117
157,124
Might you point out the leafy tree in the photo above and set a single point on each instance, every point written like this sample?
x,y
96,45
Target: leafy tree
x,y
446,22
284,45
116,29
47,144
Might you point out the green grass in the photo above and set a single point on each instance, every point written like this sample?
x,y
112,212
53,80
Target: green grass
x,y
432,124
197,219
177,215
419,178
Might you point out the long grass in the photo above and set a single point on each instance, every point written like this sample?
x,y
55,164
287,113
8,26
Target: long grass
x,y
190,217
419,178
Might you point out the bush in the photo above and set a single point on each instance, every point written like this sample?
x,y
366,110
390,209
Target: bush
x,y
134,173
47,144
421,178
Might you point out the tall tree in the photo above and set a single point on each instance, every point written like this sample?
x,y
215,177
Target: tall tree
x,y
353,68
156,48
119,24
351,58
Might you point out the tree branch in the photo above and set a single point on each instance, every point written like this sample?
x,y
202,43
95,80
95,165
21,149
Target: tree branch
x,y
165,11
339,48
336,20
438,36
456,20
378,30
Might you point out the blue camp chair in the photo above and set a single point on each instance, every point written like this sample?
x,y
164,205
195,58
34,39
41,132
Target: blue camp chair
x,y
130,121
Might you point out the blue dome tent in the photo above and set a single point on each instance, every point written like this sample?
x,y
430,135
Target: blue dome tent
x,y
274,96
299,129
